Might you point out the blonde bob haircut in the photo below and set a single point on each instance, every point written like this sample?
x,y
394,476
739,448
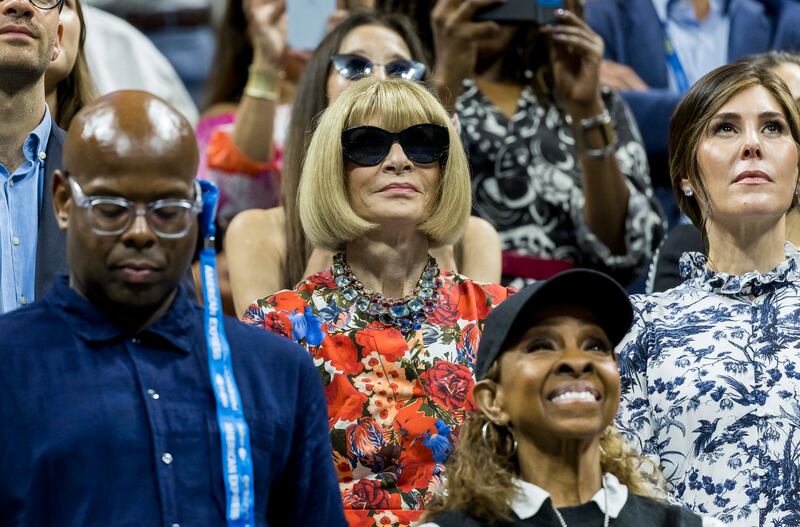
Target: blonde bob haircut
x,y
326,214
690,122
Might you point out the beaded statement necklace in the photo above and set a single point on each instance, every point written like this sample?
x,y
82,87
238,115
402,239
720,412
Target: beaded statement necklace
x,y
407,313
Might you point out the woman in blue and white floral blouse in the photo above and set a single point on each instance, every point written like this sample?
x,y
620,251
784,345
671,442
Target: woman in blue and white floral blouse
x,y
710,382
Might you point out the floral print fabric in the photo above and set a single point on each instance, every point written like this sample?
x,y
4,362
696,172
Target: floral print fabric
x,y
527,182
394,403
710,390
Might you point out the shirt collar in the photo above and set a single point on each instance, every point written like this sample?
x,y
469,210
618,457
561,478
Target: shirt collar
x,y
665,8
176,327
35,145
530,497
694,269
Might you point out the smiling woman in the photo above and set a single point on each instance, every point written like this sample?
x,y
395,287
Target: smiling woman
x,y
542,449
709,384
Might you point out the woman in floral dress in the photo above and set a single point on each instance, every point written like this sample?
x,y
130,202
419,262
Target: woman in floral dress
x,y
710,385
395,338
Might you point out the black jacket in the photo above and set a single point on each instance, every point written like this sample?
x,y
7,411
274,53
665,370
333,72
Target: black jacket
x,y
51,245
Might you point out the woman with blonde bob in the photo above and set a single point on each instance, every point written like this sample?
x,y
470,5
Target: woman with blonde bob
x,y
386,179
710,385
542,449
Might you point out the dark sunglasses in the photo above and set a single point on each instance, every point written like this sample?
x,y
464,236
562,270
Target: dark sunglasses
x,y
422,143
354,67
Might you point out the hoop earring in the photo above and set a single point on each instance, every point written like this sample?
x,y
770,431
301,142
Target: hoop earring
x,y
510,434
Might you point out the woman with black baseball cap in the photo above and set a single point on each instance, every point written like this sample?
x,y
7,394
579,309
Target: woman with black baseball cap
x,y
542,448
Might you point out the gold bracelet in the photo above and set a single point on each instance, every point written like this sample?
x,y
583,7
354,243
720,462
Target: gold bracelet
x,y
264,84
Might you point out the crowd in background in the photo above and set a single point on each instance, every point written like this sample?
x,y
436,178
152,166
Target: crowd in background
x,y
438,214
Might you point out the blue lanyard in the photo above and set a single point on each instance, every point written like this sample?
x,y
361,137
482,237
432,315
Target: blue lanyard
x,y
237,462
673,62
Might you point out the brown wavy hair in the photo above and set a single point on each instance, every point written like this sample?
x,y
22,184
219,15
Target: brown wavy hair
x,y
77,89
480,478
692,116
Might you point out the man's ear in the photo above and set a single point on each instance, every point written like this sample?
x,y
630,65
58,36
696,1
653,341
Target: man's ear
x,y
58,43
489,397
62,198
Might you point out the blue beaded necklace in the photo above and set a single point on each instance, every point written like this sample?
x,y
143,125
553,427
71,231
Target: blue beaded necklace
x,y
407,313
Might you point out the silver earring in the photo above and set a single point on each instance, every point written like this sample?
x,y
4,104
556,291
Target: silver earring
x,y
485,438
688,192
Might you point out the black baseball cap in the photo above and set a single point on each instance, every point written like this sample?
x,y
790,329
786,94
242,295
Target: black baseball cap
x,y
600,294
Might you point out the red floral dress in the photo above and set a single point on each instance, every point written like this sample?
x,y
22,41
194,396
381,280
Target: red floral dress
x,y
394,403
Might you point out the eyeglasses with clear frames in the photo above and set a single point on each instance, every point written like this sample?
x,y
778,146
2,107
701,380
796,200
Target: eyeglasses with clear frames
x,y
46,5
111,216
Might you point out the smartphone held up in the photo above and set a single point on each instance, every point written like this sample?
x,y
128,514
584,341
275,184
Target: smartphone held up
x,y
517,12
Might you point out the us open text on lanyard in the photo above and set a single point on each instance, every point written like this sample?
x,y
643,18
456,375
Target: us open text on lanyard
x,y
237,462
673,62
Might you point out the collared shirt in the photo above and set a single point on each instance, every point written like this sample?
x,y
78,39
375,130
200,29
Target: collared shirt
x,y
610,499
103,428
20,200
701,45
710,384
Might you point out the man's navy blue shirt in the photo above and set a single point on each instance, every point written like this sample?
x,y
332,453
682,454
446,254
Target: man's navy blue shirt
x,y
99,428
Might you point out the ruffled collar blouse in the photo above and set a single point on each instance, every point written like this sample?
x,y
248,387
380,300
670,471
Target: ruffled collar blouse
x,y
711,390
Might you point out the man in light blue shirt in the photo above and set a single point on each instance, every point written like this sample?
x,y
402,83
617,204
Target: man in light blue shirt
x,y
702,34
698,32
30,38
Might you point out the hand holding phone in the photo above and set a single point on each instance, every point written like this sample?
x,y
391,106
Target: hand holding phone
x,y
517,12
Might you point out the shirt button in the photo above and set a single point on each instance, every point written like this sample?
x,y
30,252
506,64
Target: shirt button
x,y
42,155
152,393
15,240
135,340
23,300
166,457
11,183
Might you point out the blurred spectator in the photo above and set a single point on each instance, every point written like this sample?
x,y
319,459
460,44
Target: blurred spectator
x,y
180,29
241,132
364,43
665,272
656,49
68,83
558,165
32,247
120,57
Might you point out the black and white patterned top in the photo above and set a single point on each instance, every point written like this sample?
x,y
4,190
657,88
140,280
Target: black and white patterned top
x,y
526,181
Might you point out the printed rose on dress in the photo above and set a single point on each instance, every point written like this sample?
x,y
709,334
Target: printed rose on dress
x,y
344,401
473,303
450,385
369,494
342,354
387,341
446,313
287,301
